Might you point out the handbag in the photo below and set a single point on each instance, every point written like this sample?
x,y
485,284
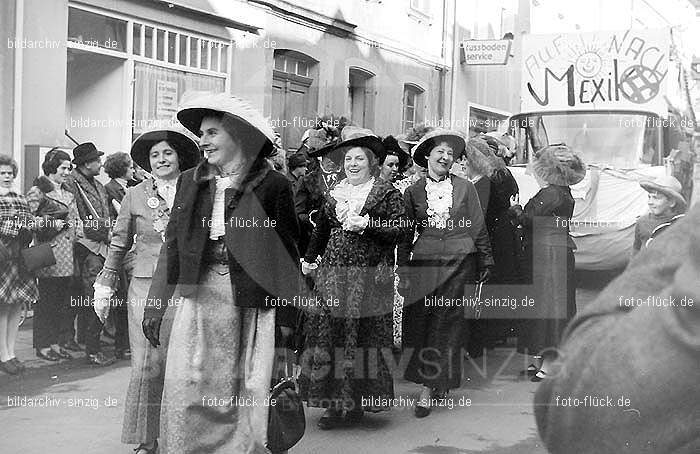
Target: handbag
x,y
286,422
37,257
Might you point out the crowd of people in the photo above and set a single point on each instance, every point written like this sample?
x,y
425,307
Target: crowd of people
x,y
356,249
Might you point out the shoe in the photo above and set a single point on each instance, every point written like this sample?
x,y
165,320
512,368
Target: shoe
x,y
422,412
9,367
141,449
530,371
354,416
50,355
122,354
63,353
539,376
72,346
17,363
100,359
329,420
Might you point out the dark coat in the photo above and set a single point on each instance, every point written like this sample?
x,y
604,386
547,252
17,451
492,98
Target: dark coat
x,y
97,233
115,191
263,258
645,353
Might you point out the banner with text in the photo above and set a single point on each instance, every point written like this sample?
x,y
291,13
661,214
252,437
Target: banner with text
x,y
595,71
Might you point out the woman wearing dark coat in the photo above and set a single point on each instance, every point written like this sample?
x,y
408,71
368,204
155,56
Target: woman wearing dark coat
x,y
545,220
230,247
451,253
357,231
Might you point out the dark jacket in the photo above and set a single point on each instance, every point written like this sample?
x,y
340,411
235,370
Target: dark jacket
x,y
115,191
263,256
643,355
466,235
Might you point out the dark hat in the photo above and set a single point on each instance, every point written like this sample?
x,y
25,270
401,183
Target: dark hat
x,y
85,152
297,160
393,148
353,136
187,149
668,186
329,149
422,149
559,165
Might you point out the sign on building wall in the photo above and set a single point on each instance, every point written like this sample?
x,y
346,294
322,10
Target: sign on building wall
x,y
166,99
486,51
594,71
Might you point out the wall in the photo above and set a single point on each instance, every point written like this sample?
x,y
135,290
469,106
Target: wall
x,y
7,68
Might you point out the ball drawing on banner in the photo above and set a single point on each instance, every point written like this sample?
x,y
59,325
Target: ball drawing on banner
x,y
640,84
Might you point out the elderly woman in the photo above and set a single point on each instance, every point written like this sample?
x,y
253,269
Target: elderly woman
x,y
17,285
357,231
140,228
452,251
53,315
545,220
230,245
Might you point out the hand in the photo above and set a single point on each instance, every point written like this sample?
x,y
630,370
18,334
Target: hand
x,y
485,274
101,308
307,268
515,199
151,329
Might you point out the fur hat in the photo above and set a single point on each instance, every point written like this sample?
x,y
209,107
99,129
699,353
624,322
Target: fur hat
x,y
668,186
424,146
481,158
558,165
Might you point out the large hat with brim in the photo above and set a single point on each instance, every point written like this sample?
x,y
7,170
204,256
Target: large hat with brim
x,y
668,186
422,149
247,118
330,150
187,149
353,136
559,165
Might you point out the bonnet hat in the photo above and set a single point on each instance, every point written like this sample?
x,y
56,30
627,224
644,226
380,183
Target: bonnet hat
x,y
558,165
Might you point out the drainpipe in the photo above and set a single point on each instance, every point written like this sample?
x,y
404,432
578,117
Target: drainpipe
x,y
17,110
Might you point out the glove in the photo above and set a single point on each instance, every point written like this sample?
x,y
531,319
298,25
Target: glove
x,y
151,329
101,308
307,268
485,274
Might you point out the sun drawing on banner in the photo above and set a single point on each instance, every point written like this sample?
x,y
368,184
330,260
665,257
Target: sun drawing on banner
x,y
586,58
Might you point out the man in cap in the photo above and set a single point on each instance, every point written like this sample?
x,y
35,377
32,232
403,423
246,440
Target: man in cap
x,y
92,245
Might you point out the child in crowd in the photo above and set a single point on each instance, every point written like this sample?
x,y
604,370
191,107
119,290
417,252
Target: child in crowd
x,y
666,205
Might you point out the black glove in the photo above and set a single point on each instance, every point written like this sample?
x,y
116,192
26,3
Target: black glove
x,y
485,274
151,329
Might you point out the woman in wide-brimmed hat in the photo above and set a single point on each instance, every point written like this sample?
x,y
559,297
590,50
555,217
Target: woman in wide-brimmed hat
x,y
666,206
394,161
452,251
230,246
143,215
549,246
354,240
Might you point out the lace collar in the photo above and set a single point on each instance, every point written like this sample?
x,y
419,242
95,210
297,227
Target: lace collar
x,y
350,198
439,198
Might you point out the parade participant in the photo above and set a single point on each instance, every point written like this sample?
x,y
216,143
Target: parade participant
x,y
506,246
452,252
58,284
17,285
666,206
355,236
137,236
627,378
119,167
92,246
550,248
315,186
230,247
297,166
394,161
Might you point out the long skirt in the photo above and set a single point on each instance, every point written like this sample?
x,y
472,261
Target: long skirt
x,y
218,373
433,334
143,396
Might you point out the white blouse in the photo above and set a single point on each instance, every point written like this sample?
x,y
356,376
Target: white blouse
x,y
218,223
350,198
439,198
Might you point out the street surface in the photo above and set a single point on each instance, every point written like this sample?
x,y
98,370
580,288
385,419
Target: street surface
x,y
73,407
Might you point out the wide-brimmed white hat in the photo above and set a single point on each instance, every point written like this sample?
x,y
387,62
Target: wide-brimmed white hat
x,y
670,187
194,110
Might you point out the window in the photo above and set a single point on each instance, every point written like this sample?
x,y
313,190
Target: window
x,y
95,30
360,97
420,11
292,65
412,106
